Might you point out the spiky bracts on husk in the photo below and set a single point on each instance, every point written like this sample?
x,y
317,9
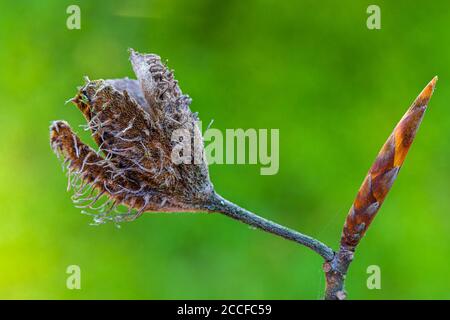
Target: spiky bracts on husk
x,y
132,122
374,190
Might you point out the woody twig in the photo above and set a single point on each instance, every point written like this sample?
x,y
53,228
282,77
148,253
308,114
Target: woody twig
x,y
133,122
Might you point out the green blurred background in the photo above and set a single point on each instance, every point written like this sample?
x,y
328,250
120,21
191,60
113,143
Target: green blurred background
x,y
310,68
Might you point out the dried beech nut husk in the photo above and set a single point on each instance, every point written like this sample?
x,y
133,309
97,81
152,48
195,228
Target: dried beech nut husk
x,y
132,122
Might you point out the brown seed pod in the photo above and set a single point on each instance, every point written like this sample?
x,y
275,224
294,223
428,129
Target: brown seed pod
x,y
384,171
133,122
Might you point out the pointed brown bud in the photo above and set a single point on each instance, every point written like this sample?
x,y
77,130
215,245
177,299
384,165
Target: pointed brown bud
x,y
384,171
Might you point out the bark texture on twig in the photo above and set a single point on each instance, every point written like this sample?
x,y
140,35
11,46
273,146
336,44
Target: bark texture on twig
x,y
373,191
